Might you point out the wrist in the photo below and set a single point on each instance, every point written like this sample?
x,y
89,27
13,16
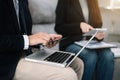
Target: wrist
x,y
26,42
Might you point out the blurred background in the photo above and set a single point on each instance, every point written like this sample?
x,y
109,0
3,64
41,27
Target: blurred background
x,y
110,10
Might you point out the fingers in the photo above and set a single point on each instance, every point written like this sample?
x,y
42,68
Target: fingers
x,y
39,38
55,38
100,35
85,27
52,43
44,39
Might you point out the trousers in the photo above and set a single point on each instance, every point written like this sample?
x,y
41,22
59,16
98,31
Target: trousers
x,y
98,61
34,71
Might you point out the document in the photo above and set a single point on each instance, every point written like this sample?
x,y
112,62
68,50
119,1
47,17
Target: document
x,y
95,44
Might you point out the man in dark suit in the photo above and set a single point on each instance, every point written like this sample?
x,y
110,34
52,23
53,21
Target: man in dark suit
x,y
15,35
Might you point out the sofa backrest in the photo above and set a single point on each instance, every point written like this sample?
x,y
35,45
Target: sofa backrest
x,y
42,11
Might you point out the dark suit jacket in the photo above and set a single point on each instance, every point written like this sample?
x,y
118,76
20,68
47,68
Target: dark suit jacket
x,y
68,18
11,39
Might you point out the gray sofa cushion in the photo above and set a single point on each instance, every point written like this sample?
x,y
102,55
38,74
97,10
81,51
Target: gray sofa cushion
x,y
42,11
48,28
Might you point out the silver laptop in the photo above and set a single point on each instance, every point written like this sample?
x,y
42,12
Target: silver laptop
x,y
54,57
51,57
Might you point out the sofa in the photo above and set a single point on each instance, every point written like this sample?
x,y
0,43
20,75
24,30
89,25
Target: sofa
x,y
43,15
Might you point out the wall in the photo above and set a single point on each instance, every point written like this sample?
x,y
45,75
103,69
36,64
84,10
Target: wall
x,y
104,3
111,20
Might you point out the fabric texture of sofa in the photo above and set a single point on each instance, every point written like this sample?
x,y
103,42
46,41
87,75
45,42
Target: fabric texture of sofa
x,y
43,15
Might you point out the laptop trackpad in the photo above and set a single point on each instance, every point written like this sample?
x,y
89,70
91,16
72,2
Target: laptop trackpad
x,y
41,54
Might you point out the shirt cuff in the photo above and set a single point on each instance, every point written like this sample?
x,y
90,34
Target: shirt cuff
x,y
26,42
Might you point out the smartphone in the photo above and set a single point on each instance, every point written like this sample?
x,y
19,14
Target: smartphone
x,y
94,30
100,29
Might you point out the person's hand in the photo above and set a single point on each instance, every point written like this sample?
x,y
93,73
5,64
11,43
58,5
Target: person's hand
x,y
85,27
100,35
43,38
39,38
55,38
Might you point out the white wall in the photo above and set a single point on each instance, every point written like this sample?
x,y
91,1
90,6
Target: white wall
x,y
104,3
111,21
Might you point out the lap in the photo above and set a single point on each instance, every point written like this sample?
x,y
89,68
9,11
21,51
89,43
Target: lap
x,y
34,71
85,54
89,52
91,55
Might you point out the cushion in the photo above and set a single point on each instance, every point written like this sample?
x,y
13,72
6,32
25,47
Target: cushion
x,y
42,11
47,28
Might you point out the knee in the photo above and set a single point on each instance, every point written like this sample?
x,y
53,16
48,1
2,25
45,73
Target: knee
x,y
77,64
33,71
107,55
67,74
79,69
90,59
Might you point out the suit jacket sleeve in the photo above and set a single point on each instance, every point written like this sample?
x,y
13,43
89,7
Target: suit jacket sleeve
x,y
11,43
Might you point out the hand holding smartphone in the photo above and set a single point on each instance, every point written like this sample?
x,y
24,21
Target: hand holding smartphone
x,y
52,43
91,32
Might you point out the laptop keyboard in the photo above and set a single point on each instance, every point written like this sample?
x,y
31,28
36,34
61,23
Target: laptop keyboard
x,y
59,57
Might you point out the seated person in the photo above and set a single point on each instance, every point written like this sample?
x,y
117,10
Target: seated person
x,y
73,19
15,37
